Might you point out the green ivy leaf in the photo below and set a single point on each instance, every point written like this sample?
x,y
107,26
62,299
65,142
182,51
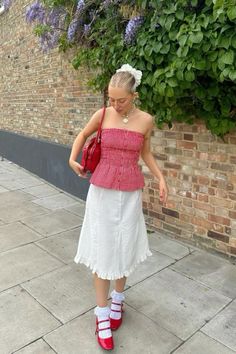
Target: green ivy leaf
x,y
169,91
161,88
195,37
228,57
231,13
183,40
232,75
179,14
172,82
189,76
168,23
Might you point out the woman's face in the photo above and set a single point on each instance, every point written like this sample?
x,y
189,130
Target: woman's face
x,y
120,99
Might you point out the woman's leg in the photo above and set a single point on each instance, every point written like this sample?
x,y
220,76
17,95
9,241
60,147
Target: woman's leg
x,y
102,312
120,284
118,297
102,289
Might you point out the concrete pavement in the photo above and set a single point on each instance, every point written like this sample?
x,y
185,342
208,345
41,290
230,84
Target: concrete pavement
x,y
182,300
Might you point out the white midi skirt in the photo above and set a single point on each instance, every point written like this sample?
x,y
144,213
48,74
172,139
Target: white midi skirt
x,y
113,238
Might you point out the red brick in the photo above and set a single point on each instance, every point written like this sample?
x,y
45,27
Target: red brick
x,y
170,212
232,250
219,219
203,206
188,137
203,198
175,166
203,180
233,159
232,214
186,145
218,236
202,222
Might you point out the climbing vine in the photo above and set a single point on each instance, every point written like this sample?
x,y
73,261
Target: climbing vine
x,y
186,50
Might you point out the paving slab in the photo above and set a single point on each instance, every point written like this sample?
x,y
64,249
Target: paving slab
x,y
54,202
168,247
22,320
223,326
43,190
2,189
24,263
138,334
200,343
14,197
29,181
38,347
53,222
7,176
16,234
66,292
216,272
14,212
150,266
12,184
62,246
78,209
175,302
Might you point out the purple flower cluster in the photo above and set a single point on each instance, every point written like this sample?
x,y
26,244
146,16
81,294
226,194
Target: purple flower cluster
x,y
53,18
49,40
35,11
72,29
6,4
74,25
80,7
132,28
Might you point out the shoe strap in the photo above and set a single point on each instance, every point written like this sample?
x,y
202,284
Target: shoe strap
x,y
102,329
117,303
103,321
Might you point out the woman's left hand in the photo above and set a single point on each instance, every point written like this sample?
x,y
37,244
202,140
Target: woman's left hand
x,y
163,190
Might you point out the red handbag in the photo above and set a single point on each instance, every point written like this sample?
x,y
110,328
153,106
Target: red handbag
x,y
91,152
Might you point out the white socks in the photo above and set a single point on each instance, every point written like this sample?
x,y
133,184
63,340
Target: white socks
x,y
102,314
118,298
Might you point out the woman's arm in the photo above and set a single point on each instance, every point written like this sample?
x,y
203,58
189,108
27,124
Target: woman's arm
x,y
150,162
89,129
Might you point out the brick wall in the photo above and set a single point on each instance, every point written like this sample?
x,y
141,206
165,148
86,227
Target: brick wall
x,y
42,96
201,173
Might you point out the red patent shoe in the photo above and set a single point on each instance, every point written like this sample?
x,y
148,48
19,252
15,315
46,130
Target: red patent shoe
x,y
115,323
105,343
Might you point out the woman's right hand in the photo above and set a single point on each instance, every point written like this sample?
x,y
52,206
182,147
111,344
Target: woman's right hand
x,y
77,168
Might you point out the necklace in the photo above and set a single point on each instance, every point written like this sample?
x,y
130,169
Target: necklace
x,y
125,117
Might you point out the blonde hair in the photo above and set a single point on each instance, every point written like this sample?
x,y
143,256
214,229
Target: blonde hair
x,y
123,79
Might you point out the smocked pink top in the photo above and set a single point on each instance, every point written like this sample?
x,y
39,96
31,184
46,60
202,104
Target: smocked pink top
x,y
118,167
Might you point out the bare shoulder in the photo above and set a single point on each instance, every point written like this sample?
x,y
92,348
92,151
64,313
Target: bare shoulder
x,y
96,117
147,120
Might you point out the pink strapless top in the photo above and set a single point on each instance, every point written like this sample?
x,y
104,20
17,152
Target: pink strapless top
x,y
118,167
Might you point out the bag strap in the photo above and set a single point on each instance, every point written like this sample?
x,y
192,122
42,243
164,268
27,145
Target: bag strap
x,y
99,132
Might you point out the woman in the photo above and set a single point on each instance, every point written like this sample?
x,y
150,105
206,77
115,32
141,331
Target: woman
x,y
113,239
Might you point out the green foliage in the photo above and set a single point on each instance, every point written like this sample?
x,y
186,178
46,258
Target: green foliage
x,y
186,50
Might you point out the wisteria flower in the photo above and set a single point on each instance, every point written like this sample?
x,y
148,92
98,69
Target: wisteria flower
x,y
35,11
80,7
56,17
49,40
72,29
87,29
6,4
132,28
